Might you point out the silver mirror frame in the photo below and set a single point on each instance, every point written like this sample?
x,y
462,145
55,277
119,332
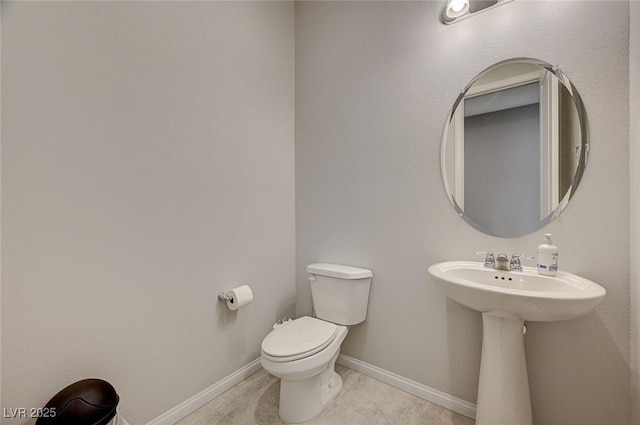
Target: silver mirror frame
x,y
584,142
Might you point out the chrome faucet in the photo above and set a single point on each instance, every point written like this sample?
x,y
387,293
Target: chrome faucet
x,y
502,262
489,259
516,265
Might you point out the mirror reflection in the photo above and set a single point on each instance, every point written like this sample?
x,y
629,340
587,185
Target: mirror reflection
x,y
514,147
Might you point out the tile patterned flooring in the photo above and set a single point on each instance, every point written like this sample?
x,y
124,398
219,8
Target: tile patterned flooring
x,y
362,401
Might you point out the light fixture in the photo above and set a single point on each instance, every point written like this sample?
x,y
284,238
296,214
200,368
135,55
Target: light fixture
x,y
457,10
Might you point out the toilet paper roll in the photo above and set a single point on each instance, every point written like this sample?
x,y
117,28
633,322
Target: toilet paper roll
x,y
239,297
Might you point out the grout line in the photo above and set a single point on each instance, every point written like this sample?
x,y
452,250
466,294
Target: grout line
x,y
371,420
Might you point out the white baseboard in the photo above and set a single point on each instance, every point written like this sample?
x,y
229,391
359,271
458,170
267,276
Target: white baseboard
x,y
205,396
419,390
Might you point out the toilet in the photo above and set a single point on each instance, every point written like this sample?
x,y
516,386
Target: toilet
x,y
303,352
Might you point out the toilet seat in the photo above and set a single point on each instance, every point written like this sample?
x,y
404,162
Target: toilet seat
x,y
301,338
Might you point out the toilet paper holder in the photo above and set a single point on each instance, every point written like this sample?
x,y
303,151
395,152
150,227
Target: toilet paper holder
x,y
236,298
224,297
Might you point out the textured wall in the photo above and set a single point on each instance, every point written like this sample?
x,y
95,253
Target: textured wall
x,y
634,133
374,84
147,164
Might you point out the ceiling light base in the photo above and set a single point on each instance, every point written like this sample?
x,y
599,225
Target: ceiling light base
x,y
449,16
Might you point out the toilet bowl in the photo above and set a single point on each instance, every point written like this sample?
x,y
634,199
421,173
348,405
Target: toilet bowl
x,y
303,352
308,380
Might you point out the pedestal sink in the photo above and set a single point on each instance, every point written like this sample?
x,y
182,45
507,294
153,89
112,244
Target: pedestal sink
x,y
506,299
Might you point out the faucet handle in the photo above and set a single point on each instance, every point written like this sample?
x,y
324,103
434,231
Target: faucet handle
x,y
526,257
489,259
515,264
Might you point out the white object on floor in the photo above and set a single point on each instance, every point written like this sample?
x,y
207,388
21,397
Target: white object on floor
x,y
303,353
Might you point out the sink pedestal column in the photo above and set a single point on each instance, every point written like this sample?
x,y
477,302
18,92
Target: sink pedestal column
x,y
503,391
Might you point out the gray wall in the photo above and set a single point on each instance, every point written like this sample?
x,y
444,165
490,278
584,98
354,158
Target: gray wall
x,y
634,132
147,164
503,152
374,84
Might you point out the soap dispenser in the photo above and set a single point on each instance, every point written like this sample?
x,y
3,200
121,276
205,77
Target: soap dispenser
x,y
547,257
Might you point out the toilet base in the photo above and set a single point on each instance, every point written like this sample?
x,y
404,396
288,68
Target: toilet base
x,y
301,401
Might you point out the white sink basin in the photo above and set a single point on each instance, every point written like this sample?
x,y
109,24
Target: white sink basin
x,y
524,295
506,299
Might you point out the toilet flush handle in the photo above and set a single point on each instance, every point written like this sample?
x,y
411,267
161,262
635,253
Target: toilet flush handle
x,y
312,277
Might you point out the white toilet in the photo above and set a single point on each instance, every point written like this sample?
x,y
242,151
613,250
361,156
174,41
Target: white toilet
x,y
303,352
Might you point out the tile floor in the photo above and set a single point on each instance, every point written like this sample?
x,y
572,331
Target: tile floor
x,y
362,401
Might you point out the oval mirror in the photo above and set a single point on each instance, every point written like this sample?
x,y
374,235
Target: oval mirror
x,y
514,147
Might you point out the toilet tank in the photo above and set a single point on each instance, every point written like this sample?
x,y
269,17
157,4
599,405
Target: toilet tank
x,y
340,293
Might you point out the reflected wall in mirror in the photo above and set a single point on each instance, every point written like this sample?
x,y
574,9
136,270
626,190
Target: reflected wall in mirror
x,y
514,147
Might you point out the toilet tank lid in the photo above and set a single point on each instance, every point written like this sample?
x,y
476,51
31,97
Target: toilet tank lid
x,y
339,271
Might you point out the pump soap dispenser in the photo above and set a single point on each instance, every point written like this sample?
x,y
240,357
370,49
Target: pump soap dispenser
x,y
547,257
